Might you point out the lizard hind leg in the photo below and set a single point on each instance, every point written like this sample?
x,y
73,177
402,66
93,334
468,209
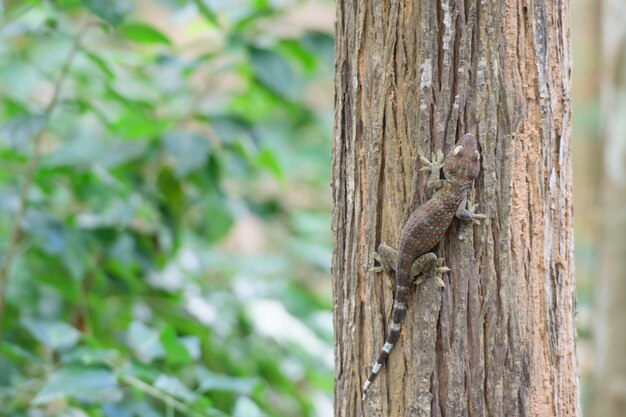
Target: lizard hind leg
x,y
386,256
429,266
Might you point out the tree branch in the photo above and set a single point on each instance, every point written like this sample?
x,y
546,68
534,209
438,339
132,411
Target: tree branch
x,y
160,395
31,169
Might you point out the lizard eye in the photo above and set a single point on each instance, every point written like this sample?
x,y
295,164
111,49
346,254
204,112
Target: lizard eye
x,y
457,149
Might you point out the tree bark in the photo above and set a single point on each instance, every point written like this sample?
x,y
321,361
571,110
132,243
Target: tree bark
x,y
608,393
413,76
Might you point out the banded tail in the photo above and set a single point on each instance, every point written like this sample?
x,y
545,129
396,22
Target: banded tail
x,y
397,316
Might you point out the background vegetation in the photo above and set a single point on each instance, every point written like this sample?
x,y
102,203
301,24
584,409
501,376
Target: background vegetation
x,y
164,194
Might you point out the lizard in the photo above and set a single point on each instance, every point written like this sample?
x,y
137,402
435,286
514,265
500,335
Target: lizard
x,y
425,227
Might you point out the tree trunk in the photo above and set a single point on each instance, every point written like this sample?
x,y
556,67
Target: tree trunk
x,y
609,374
413,76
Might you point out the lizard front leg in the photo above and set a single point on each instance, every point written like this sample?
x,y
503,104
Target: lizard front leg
x,y
465,211
434,167
427,265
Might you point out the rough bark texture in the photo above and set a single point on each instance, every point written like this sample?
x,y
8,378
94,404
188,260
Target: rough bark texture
x,y
413,76
608,392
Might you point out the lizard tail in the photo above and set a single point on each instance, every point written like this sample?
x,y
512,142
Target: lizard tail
x,y
397,315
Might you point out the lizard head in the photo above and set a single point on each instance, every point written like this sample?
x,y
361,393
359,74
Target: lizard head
x,y
462,163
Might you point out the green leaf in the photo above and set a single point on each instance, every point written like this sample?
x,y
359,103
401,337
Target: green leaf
x,y
123,409
206,11
123,250
203,403
219,218
12,108
144,342
145,409
49,274
19,132
85,355
102,64
268,160
245,407
54,334
188,151
171,191
138,124
258,104
143,33
261,9
175,352
17,354
322,46
210,381
274,72
80,383
295,51
318,255
231,129
49,232
111,11
174,387
84,151
192,344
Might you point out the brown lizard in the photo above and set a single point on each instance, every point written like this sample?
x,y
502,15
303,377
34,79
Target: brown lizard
x,y
425,228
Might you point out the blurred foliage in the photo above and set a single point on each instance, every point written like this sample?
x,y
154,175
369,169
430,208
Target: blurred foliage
x,y
165,212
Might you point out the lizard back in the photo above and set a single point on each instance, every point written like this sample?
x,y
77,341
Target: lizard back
x,y
427,225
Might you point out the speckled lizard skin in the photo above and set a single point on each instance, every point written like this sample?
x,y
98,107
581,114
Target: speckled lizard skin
x,y
425,228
